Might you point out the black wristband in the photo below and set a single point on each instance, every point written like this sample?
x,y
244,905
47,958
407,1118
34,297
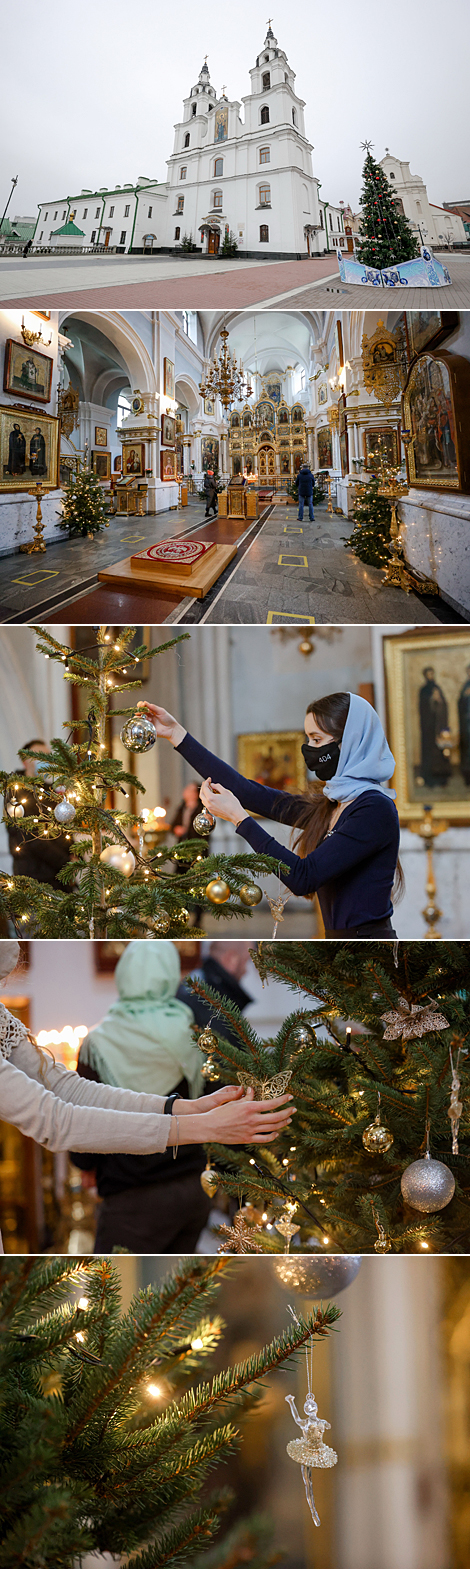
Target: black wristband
x,y
169,1104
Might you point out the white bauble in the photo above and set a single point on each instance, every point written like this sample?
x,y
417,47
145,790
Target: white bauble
x,y
15,809
318,1275
64,812
119,859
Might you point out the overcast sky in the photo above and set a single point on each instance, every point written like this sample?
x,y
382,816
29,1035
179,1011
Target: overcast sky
x,y
90,93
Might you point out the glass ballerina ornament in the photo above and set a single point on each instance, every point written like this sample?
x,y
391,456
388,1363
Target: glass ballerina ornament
x,y
309,1450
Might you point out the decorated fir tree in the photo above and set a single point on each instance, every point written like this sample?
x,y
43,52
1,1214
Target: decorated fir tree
x,y
386,237
370,538
108,1435
109,887
85,509
375,1054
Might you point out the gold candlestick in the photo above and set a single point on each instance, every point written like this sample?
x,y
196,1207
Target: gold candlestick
x,y
37,542
428,831
392,489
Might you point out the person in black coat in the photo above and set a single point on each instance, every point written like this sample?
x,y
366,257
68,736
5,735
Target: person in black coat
x,y
33,857
210,490
222,971
306,484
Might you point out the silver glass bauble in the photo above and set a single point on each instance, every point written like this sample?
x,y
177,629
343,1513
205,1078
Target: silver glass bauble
x,y
427,1185
138,734
120,859
317,1276
204,822
302,1035
64,812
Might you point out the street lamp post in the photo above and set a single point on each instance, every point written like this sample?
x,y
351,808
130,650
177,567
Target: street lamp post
x,y
13,183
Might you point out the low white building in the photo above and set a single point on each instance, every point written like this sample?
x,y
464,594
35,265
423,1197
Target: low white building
x,y
238,168
433,226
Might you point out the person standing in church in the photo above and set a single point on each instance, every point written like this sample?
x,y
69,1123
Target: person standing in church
x,y
210,491
306,484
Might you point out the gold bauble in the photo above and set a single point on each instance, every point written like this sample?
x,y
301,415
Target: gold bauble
x,y
210,1070
376,1138
209,1181
250,894
383,1245
207,1041
217,891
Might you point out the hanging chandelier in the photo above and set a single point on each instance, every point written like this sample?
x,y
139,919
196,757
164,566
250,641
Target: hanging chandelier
x,y
225,379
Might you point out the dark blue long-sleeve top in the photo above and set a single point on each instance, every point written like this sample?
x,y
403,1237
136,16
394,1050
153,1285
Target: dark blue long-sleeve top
x,y
352,870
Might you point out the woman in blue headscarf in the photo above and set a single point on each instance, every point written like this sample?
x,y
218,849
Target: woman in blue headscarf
x,y
346,849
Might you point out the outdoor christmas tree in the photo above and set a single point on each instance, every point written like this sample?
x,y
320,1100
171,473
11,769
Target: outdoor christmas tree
x,y
107,1436
386,236
110,888
378,1067
370,538
84,509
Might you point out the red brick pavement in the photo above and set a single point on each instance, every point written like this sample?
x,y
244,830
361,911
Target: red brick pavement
x,y
242,287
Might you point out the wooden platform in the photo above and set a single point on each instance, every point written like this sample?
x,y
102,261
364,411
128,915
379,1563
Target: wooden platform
x,y
124,575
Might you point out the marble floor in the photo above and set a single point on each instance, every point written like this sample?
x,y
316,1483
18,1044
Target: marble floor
x,y
283,572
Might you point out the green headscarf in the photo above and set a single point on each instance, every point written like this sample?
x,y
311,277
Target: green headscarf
x,y
145,1040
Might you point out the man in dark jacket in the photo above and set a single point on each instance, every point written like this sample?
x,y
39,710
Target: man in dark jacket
x,y
33,857
222,971
210,490
306,483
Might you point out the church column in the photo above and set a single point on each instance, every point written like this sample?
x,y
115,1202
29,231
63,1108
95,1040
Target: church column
x,y
206,708
388,1416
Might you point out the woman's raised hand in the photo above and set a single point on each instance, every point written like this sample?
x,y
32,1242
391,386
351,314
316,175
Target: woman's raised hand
x,y
167,727
222,803
229,1092
248,1121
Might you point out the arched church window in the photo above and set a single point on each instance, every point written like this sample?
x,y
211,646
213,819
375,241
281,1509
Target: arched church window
x,y
265,195
266,81
392,176
263,232
186,139
217,199
218,168
265,155
294,117
264,117
194,108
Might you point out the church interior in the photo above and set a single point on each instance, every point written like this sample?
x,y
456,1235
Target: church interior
x,y
154,404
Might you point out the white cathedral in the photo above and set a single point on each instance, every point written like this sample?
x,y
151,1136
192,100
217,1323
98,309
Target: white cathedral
x,y
247,177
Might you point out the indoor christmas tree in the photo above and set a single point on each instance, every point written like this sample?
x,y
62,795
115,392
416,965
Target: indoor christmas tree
x,y
378,1067
386,237
84,508
370,538
107,1437
109,887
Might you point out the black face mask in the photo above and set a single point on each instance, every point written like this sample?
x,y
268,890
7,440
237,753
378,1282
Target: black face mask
x,y
322,760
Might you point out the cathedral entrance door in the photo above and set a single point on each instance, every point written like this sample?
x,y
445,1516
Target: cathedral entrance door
x,y
214,242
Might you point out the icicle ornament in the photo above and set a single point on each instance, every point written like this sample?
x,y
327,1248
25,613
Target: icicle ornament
x,y
456,1105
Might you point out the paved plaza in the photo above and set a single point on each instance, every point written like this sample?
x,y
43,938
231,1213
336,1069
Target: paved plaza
x,y
197,283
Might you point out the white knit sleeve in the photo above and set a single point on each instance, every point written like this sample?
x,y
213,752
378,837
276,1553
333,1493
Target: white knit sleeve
x,y
60,1124
71,1087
